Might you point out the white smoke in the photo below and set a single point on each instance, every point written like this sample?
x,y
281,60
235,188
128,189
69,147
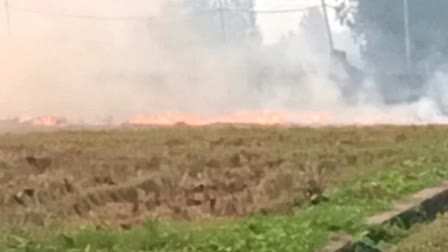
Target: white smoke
x,y
89,69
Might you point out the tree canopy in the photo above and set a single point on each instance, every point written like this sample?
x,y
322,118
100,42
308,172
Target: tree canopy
x,y
379,25
223,21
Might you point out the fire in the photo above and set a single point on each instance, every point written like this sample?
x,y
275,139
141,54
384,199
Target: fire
x,y
43,121
319,117
246,117
267,118
260,118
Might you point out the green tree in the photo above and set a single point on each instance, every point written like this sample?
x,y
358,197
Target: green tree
x,y
379,25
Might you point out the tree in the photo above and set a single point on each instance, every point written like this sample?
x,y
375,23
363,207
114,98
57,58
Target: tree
x,y
220,22
379,25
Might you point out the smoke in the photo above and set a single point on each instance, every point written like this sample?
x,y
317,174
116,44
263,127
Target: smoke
x,y
88,69
83,68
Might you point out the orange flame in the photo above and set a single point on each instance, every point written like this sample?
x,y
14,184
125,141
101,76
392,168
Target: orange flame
x,y
267,118
261,118
319,117
45,121
258,118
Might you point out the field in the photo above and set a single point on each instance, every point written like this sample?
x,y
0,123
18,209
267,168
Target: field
x,y
217,188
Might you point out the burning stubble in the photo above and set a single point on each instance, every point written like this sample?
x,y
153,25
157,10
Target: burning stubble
x,y
156,70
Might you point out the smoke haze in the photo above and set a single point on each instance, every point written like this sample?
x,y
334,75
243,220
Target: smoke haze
x,y
89,69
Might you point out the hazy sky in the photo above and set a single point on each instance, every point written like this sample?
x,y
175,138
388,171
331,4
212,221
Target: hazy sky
x,y
274,26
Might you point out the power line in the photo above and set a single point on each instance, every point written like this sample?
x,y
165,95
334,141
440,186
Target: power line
x,y
261,11
284,10
146,18
63,15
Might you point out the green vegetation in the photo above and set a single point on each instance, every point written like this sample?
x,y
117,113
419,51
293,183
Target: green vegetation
x,y
429,238
380,165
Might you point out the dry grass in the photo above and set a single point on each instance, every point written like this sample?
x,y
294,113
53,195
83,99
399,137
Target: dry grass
x,y
123,177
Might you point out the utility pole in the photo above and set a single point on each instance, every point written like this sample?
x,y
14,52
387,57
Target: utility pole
x,y
222,21
8,21
327,24
407,35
